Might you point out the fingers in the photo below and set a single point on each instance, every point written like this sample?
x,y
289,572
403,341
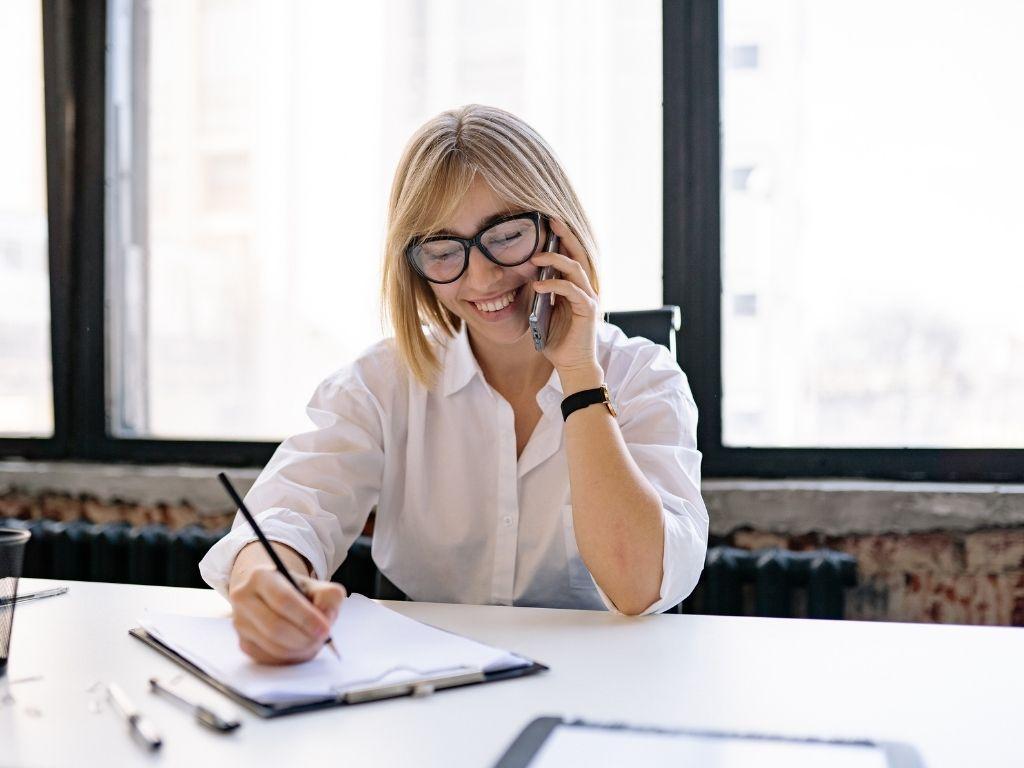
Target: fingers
x,y
261,655
571,270
275,638
283,598
569,241
327,597
278,625
582,303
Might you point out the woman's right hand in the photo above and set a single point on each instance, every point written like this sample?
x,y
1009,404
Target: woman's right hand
x,y
275,624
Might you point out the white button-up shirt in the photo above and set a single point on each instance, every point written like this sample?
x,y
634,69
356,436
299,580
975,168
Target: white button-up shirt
x,y
459,517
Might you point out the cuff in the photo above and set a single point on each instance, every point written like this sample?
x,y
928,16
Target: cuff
x,y
278,524
682,562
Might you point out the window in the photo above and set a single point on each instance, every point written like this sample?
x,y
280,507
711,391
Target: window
x,y
871,227
26,399
829,198
250,148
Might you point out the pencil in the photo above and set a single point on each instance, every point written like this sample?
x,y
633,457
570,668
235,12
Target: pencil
x,y
269,549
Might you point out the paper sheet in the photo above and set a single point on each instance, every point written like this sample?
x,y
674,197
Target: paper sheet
x,y
377,645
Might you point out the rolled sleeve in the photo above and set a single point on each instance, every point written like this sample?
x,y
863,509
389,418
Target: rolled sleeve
x,y
682,562
281,525
317,491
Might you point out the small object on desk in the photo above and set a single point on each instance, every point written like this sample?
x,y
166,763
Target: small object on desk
x,y
205,715
141,728
269,549
37,595
27,679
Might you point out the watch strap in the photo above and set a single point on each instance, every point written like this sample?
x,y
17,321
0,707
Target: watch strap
x,y
585,398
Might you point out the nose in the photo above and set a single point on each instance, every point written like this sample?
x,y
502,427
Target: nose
x,y
481,271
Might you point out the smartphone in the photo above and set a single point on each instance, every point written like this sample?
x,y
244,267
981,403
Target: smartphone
x,y
540,312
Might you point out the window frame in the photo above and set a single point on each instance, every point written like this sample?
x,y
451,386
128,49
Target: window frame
x,y
74,61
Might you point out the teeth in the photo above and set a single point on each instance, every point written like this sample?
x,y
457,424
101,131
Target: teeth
x,y
496,304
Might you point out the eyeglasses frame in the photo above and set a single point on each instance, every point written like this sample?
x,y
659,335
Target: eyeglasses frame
x,y
468,243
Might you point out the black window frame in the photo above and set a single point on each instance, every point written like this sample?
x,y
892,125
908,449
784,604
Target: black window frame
x,y
74,73
74,53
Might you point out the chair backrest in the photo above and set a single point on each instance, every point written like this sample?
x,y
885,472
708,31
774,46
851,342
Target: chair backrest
x,y
658,325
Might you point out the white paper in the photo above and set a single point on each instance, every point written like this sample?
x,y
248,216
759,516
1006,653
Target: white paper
x,y
587,747
377,646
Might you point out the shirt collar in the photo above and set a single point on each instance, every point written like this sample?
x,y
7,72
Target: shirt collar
x,y
460,367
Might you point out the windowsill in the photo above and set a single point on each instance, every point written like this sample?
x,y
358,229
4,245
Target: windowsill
x,y
840,507
831,507
195,486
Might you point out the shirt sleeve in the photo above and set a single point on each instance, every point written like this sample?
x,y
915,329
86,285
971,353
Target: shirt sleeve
x,y
317,491
658,419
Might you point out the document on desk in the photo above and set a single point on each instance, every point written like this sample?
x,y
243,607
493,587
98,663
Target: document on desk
x,y
378,646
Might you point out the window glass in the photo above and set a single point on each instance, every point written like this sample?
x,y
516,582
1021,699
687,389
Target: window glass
x,y
872,229
255,145
26,391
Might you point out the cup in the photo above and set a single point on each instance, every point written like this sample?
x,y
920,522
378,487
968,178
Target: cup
x,y
12,556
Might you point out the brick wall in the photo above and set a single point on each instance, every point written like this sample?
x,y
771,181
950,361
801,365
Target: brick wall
x,y
951,577
66,507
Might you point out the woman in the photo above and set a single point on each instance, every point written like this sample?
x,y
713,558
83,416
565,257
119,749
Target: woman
x,y
454,430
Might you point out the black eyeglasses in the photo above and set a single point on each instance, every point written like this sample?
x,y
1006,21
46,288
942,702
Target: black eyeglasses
x,y
508,242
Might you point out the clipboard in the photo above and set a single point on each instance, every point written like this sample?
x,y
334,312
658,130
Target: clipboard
x,y
526,746
421,687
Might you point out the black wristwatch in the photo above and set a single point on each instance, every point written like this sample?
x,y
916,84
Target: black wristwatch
x,y
586,398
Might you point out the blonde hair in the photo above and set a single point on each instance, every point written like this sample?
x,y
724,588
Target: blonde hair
x,y
432,178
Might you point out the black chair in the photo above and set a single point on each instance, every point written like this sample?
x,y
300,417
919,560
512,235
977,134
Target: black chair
x,y
658,325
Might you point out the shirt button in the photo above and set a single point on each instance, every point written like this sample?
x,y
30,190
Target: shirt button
x,y
508,520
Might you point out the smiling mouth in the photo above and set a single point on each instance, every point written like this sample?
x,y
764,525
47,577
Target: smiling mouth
x,y
498,304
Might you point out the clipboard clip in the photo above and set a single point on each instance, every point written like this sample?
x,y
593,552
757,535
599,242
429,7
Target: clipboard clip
x,y
416,688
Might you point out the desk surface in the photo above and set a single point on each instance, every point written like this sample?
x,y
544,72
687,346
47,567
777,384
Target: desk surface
x,y
952,691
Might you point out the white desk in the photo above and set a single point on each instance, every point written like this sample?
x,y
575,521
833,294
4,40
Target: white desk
x,y
953,692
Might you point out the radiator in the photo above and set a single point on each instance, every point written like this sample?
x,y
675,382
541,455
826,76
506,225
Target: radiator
x,y
773,582
735,581
115,552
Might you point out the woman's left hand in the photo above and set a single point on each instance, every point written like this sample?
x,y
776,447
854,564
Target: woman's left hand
x,y
574,349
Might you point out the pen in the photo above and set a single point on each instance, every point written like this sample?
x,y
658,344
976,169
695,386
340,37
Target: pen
x,y
39,595
204,715
267,548
142,729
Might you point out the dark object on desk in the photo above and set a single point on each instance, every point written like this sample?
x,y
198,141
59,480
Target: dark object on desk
x,y
204,715
12,557
142,729
25,597
528,743
269,549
